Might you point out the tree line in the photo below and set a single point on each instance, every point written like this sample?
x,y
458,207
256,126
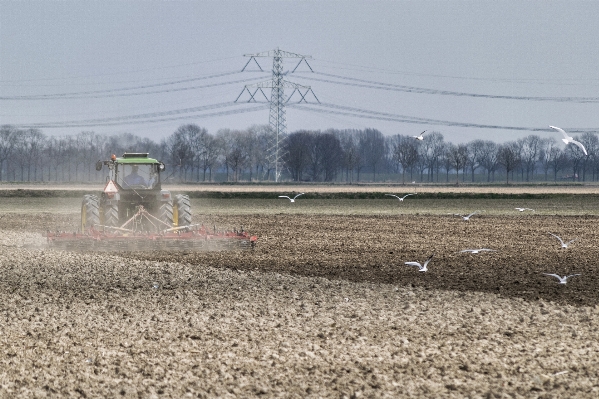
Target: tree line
x,y
192,154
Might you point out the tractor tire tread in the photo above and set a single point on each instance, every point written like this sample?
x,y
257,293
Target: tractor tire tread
x,y
111,215
165,213
184,209
90,211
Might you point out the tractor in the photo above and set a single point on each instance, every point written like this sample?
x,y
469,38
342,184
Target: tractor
x,y
134,213
134,185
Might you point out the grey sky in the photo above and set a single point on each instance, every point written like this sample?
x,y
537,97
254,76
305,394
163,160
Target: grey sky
x,y
512,49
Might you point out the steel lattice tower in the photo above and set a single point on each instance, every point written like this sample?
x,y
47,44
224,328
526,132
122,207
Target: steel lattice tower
x,y
277,119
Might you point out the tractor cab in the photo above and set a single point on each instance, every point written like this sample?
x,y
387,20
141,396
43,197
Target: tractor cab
x,y
137,176
135,171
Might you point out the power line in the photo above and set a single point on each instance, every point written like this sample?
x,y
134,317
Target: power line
x,y
145,118
115,92
364,68
421,90
118,73
368,114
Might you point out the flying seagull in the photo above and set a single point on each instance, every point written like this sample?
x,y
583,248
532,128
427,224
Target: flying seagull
x,y
421,268
291,199
564,244
466,218
475,251
569,139
524,209
400,198
420,138
562,280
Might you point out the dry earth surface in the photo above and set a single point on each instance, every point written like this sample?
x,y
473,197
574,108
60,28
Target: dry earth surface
x,y
322,307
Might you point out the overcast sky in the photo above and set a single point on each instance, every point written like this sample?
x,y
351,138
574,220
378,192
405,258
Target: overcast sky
x,y
471,69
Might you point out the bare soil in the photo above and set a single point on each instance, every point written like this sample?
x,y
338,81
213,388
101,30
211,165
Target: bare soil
x,y
322,307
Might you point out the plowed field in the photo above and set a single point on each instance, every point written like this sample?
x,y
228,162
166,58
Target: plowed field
x,y
322,307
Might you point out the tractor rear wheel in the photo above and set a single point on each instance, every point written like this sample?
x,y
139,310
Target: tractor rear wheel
x,y
90,212
165,214
111,215
182,213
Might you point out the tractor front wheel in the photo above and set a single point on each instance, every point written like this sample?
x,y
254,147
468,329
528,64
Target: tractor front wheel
x,y
90,212
182,210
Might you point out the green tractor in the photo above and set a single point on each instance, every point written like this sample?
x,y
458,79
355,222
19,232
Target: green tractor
x,y
133,198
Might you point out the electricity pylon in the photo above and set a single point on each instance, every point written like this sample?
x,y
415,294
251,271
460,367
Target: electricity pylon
x,y
277,120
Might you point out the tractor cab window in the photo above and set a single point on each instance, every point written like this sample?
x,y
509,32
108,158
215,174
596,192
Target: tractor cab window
x,y
137,176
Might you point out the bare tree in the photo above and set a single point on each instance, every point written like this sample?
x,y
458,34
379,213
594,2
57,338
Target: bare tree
x,y
531,145
546,153
405,152
351,156
296,153
488,158
458,155
255,149
209,156
8,139
330,155
558,160
473,158
446,160
509,157
29,149
372,145
435,146
576,158
591,144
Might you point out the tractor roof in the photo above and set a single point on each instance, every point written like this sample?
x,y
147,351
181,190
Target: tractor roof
x,y
135,157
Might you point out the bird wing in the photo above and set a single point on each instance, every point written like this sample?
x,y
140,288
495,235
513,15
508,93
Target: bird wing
x,y
571,275
428,260
467,250
487,249
520,209
404,197
553,275
392,195
571,241
560,240
284,196
473,213
579,144
298,195
413,264
561,131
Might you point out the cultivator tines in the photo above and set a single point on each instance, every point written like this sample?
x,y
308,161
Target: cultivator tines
x,y
187,238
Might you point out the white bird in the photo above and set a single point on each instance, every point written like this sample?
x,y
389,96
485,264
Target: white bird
x,y
419,137
564,244
466,218
291,199
569,139
524,209
475,251
421,268
562,280
400,198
